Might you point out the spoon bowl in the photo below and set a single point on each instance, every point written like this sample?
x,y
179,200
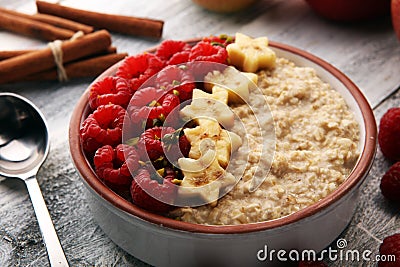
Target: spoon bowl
x,y
24,139
24,146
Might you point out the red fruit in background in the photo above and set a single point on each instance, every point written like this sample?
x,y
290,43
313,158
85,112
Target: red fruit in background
x,y
395,6
350,10
389,134
390,183
390,247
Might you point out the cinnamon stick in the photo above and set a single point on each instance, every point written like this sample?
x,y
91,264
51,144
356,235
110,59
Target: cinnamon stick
x,y
13,69
63,23
116,23
13,53
86,68
33,28
52,20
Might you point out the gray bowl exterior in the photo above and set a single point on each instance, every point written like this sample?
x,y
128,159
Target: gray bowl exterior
x,y
161,246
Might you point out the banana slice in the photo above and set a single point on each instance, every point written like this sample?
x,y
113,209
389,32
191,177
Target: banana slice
x,y
237,83
189,165
251,54
203,177
236,140
218,94
207,106
222,140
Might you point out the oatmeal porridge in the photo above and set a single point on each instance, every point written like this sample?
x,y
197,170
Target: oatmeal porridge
x,y
315,141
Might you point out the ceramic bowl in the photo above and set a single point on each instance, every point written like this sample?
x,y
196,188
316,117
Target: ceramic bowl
x,y
161,241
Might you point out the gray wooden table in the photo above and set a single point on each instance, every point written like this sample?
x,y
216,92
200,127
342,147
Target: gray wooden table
x,y
368,53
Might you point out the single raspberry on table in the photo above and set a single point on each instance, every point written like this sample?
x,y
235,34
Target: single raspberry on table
x,y
205,51
173,52
114,166
390,247
151,145
110,89
138,69
176,78
102,127
390,183
221,40
150,104
147,189
389,134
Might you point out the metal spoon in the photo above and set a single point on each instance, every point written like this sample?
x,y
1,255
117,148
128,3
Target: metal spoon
x,y
24,145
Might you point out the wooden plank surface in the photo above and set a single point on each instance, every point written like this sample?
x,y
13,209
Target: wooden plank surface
x,y
368,53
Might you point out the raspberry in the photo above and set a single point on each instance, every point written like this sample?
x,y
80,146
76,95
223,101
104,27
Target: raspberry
x,y
176,78
102,127
184,145
176,145
390,246
390,183
389,132
169,48
149,104
221,40
179,58
110,89
164,190
137,69
204,51
151,144
311,264
114,166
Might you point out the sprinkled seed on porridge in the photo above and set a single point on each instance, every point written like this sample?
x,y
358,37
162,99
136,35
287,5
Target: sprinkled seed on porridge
x,y
316,148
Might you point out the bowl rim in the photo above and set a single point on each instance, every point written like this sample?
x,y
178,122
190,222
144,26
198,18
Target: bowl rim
x,y
358,173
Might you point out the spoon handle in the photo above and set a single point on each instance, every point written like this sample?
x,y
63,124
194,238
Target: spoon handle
x,y
55,252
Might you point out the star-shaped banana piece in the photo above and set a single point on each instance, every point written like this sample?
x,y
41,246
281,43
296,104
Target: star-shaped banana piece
x,y
238,84
209,135
250,54
203,177
207,106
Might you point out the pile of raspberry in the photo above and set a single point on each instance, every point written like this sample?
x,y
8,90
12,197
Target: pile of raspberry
x,y
142,101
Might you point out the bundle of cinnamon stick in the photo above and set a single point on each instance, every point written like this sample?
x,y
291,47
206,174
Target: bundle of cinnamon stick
x,y
86,56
